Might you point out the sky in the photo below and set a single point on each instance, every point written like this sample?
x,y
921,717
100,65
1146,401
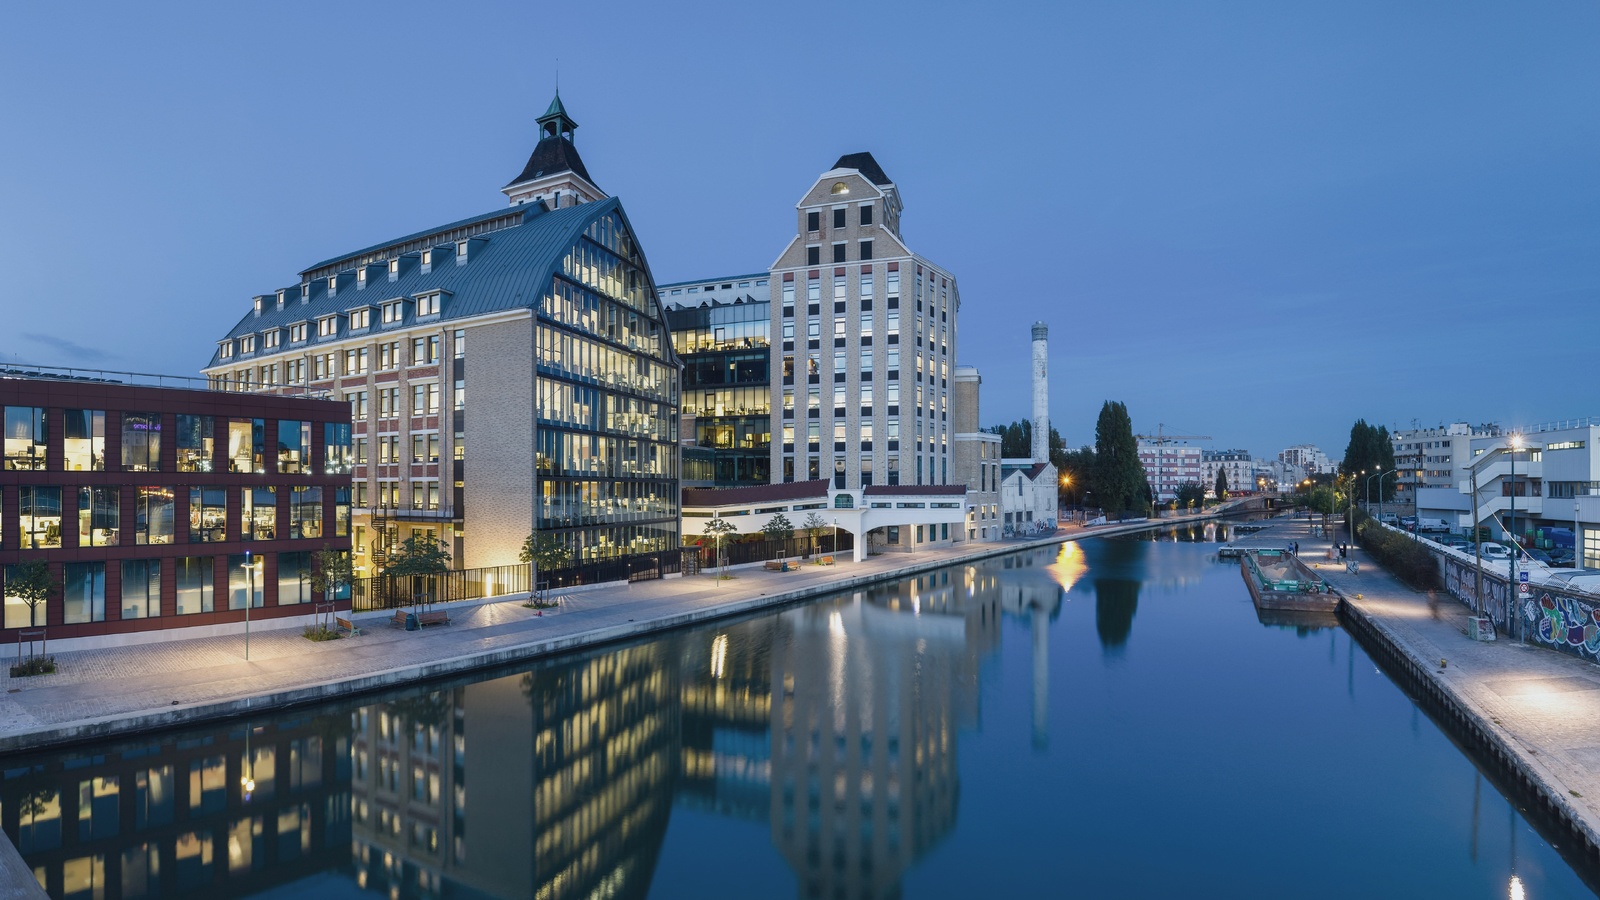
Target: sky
x,y
1254,221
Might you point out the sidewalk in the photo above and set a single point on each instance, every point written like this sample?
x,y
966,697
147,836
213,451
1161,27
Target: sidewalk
x,y
1541,706
97,693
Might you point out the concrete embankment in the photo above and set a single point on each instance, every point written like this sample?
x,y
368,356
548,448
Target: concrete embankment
x,y
1529,717
118,691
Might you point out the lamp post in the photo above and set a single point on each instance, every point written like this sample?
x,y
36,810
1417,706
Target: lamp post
x,y
249,600
1513,590
835,536
1366,489
1380,492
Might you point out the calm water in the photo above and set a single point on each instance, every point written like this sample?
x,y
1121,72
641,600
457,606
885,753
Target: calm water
x,y
1107,719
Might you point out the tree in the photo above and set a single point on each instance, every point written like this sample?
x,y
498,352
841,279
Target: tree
x,y
331,573
1016,441
1191,494
1221,488
719,529
1119,482
779,528
813,524
545,551
1077,467
419,556
1370,451
31,583
1325,500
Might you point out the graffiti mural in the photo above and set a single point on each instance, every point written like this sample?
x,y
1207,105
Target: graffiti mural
x,y
1563,621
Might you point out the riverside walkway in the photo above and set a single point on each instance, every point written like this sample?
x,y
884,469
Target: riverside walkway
x,y
121,690
1538,710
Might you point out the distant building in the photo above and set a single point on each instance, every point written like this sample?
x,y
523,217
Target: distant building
x,y
976,455
1308,457
864,339
545,316
1028,496
1554,487
1169,466
1432,458
883,518
721,332
164,511
1236,465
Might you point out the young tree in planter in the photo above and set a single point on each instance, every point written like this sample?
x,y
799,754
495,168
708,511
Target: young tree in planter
x,y
813,524
31,583
779,528
419,557
1222,485
1189,494
543,551
718,530
331,573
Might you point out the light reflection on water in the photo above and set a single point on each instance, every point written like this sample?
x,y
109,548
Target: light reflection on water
x,y
1109,716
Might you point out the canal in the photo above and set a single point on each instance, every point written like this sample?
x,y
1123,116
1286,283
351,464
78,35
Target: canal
x,y
1104,719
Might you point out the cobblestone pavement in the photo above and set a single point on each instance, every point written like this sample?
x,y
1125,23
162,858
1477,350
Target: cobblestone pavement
x,y
1545,704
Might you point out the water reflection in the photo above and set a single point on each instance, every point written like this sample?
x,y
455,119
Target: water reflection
x,y
831,727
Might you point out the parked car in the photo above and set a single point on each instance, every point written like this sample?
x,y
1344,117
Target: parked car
x,y
1409,523
1540,555
1390,519
1493,551
1458,544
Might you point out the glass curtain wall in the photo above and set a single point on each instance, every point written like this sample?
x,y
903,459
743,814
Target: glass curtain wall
x,y
607,403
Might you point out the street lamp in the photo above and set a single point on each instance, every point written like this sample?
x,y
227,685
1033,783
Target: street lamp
x,y
1366,488
1513,590
835,535
1380,492
250,563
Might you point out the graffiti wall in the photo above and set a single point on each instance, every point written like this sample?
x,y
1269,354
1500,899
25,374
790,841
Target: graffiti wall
x,y
1561,620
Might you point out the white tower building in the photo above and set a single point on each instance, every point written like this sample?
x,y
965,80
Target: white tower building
x,y
1041,392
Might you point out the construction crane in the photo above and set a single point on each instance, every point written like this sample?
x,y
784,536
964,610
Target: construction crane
x,y
1161,439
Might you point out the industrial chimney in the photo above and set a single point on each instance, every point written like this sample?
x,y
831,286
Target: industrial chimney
x,y
1041,392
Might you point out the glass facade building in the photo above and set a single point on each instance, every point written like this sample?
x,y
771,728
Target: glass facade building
x,y
505,374
721,332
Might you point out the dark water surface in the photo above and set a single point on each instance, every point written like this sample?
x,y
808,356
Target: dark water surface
x,y
1107,719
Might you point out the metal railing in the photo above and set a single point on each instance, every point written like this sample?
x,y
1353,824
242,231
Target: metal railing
x,y
397,591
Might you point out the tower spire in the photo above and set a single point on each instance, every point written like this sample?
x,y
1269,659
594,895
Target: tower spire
x,y
555,122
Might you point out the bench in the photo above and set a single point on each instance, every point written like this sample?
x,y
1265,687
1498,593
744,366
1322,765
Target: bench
x,y
399,618
433,617
825,561
778,565
342,622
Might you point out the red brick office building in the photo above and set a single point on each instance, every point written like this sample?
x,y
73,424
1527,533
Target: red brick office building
x,y
145,499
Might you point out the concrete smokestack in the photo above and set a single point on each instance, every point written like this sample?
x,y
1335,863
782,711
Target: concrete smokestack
x,y
1041,392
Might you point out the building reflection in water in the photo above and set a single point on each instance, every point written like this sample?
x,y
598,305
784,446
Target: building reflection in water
x,y
833,725
223,813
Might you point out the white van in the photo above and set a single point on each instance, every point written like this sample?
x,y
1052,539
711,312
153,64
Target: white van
x,y
1432,523
1491,551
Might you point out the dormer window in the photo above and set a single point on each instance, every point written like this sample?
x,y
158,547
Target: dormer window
x,y
360,318
427,305
269,339
394,269
461,251
327,326
247,344
427,260
333,285
305,292
225,350
361,277
259,305
281,293
393,312
297,333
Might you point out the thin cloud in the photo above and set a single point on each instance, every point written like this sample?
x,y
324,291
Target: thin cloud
x,y
77,352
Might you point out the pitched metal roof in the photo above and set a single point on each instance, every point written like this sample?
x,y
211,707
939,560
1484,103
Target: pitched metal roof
x,y
914,490
866,165
507,268
551,155
759,493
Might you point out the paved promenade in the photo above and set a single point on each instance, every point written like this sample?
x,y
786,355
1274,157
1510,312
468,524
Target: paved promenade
x,y
1540,705
97,693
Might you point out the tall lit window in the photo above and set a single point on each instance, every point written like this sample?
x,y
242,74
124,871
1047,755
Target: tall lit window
x,y
141,442
294,447
337,456
153,515
196,584
258,514
40,517
24,438
83,592
196,439
99,516
141,588
84,440
247,445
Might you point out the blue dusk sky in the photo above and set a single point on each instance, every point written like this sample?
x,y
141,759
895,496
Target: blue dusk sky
x,y
1257,221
